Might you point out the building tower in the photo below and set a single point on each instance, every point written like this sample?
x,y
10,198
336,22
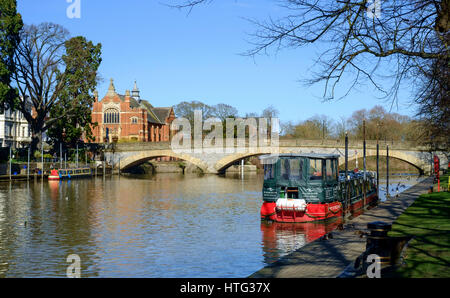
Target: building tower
x,y
135,92
111,89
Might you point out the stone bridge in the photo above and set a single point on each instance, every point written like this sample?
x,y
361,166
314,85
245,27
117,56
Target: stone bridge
x,y
128,155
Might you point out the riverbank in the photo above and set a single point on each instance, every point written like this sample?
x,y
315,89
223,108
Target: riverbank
x,y
329,255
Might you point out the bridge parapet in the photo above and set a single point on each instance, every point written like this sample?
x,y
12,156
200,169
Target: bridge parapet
x,y
353,144
211,161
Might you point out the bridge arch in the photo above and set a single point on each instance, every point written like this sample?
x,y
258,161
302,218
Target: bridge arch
x,y
229,160
419,164
143,156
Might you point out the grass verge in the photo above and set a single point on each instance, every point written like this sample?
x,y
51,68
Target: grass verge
x,y
428,220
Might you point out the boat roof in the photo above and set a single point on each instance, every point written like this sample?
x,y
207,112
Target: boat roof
x,y
307,155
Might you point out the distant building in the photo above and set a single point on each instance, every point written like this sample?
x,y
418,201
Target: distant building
x,y
15,131
130,118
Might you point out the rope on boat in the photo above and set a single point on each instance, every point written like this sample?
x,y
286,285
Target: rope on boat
x,y
267,216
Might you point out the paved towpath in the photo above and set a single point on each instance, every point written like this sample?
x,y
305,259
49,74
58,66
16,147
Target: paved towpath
x,y
330,255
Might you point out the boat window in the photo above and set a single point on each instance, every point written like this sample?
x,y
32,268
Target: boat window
x,y
285,169
336,166
331,169
269,171
296,166
315,169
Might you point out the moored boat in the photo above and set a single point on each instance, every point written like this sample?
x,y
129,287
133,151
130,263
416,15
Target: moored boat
x,y
59,174
307,187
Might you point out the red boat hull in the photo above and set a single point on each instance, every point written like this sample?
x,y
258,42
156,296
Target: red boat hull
x,y
313,212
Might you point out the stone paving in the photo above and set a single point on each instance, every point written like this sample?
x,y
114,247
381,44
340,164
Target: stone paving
x,y
331,254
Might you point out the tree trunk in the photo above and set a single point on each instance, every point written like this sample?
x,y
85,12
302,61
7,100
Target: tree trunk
x,y
36,138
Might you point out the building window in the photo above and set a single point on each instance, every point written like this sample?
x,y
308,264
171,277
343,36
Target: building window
x,y
134,120
111,116
9,130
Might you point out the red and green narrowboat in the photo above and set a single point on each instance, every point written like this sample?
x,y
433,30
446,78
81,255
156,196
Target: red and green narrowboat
x,y
59,174
308,187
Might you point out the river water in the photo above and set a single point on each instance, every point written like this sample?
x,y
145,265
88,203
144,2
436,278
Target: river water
x,y
166,225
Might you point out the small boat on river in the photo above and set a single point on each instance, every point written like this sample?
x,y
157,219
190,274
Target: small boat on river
x,y
59,174
308,187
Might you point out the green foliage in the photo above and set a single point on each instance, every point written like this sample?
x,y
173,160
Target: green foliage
x,y
10,26
82,60
317,127
37,155
62,99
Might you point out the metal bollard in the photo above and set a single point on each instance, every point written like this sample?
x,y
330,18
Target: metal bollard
x,y
378,242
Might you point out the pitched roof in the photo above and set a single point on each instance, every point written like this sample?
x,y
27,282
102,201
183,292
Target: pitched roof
x,y
162,113
156,115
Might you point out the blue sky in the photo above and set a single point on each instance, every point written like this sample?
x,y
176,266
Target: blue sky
x,y
179,57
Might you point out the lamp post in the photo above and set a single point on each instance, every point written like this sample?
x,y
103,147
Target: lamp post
x,y
346,174
42,157
65,154
28,163
378,162
387,171
364,159
60,155
10,162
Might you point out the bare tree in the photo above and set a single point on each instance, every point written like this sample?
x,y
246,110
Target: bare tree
x,y
45,73
365,42
434,104
353,34
224,111
38,61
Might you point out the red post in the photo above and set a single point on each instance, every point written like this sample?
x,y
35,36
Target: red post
x,y
436,170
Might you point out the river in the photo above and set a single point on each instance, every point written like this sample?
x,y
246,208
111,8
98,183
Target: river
x,y
166,225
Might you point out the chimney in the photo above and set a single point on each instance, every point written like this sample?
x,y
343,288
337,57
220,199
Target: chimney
x,y
95,96
127,95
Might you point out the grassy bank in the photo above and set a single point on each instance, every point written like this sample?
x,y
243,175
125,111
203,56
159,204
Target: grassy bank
x,y
444,181
428,220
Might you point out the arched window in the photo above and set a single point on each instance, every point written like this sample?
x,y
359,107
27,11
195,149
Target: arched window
x,y
134,120
111,116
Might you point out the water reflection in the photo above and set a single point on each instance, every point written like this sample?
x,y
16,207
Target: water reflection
x,y
167,225
279,239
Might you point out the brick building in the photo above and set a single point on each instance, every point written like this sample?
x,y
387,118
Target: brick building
x,y
130,118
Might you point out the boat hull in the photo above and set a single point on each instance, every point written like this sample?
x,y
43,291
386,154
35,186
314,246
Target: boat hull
x,y
313,212
70,174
